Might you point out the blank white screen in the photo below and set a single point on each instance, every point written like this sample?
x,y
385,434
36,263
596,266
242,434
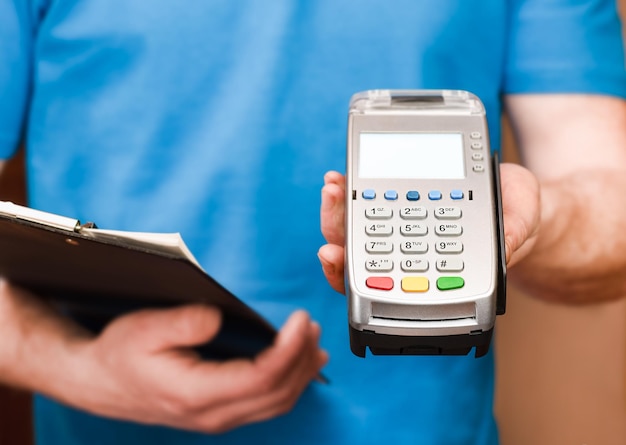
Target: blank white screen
x,y
411,155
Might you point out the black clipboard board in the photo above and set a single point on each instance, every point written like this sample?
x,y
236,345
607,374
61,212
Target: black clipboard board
x,y
96,275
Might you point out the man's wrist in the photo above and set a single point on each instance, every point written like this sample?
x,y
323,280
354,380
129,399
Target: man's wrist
x,y
38,345
8,333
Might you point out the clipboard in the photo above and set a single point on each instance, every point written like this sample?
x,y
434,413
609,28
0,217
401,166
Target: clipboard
x,y
95,275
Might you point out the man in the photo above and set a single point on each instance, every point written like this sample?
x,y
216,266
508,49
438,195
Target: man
x,y
218,120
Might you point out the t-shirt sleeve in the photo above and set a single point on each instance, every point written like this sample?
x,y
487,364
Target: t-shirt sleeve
x,y
16,38
565,46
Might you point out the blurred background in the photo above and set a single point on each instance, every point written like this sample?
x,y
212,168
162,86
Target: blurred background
x,y
561,371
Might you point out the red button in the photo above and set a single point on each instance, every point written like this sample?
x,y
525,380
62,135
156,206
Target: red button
x,y
380,283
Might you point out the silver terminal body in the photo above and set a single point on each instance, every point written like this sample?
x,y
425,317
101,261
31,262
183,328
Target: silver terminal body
x,y
421,216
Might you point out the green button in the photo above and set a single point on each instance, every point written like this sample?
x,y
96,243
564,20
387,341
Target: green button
x,y
448,283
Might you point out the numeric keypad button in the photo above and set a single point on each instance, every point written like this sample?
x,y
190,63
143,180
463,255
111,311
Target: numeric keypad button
x,y
414,265
378,213
449,264
448,212
379,246
377,264
448,229
414,229
417,212
379,229
449,247
414,247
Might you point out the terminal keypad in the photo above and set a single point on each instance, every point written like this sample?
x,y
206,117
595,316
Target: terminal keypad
x,y
414,237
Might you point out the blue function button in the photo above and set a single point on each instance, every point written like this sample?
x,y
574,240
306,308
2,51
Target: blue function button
x,y
456,194
434,195
369,194
412,195
391,195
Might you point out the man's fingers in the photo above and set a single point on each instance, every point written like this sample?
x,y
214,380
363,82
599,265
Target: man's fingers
x,y
332,258
267,398
297,342
332,212
334,177
244,379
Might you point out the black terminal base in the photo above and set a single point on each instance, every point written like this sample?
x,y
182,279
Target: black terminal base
x,y
383,344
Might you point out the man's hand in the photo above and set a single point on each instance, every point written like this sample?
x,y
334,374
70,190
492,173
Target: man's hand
x,y
520,202
141,367
332,219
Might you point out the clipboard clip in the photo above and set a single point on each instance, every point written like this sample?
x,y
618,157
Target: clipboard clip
x,y
39,217
87,225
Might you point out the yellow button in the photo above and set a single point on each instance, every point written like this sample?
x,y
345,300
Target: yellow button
x,y
414,284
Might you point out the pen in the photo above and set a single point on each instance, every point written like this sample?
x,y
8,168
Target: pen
x,y
321,378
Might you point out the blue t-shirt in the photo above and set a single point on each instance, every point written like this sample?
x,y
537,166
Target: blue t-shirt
x,y
218,119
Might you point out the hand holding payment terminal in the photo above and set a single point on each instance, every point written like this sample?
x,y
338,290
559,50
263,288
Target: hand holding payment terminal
x,y
425,265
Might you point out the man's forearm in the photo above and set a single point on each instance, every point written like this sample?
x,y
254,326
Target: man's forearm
x,y
576,147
